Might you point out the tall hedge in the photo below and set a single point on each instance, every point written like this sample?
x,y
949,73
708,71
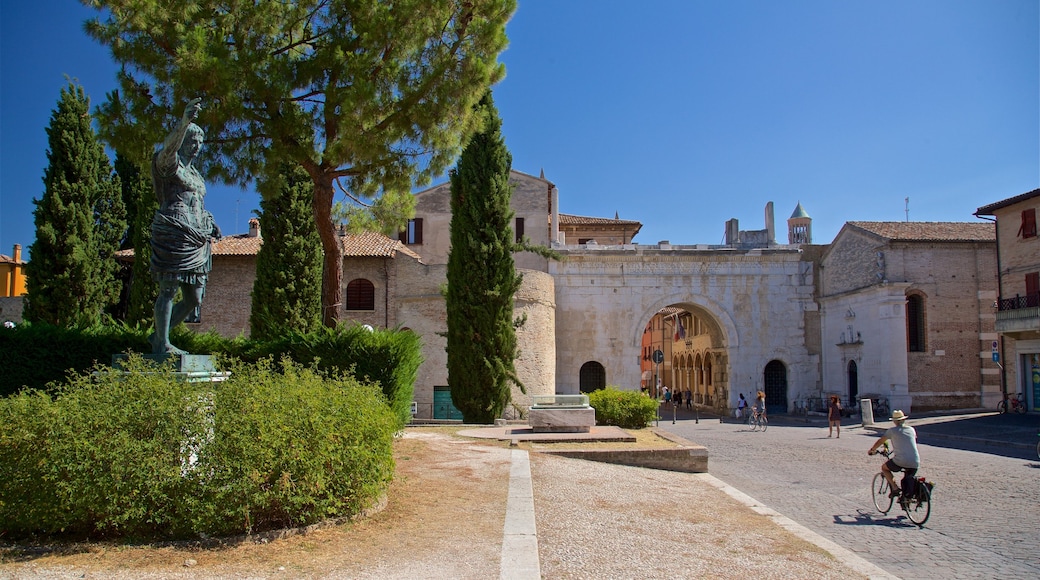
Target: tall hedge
x,y
35,355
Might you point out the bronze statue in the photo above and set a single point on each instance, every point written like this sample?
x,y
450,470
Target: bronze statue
x,y
181,229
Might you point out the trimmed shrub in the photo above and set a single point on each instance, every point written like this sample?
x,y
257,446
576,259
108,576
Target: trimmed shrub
x,y
42,356
143,455
625,409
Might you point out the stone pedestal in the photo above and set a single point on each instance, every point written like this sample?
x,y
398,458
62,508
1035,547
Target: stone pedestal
x,y
562,420
188,367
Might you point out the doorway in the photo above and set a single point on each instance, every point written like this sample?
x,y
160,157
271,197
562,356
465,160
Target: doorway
x,y
776,387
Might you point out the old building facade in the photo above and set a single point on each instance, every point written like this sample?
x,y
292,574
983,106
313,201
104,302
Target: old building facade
x,y
1018,302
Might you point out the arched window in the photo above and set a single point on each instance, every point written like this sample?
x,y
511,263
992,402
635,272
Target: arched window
x,y
915,334
361,295
592,377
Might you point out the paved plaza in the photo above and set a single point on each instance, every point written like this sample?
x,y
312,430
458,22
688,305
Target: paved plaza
x,y
986,509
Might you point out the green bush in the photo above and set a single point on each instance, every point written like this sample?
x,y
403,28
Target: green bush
x,y
40,355
625,409
143,455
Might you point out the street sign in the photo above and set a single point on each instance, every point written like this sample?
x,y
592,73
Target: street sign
x,y
996,356
658,357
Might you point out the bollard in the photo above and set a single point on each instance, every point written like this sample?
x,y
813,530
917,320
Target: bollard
x,y
866,412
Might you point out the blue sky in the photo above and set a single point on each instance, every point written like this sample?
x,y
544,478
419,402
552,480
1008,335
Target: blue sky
x,y
680,114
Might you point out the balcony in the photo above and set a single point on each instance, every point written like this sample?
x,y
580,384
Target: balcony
x,y
1019,317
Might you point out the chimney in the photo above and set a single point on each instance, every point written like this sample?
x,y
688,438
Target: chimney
x,y
254,228
17,253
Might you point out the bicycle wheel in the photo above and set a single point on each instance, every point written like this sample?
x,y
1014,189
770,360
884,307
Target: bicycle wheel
x,y
752,423
920,507
1021,408
763,422
880,490
1002,407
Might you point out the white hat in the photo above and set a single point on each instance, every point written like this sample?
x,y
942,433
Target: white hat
x,y
898,415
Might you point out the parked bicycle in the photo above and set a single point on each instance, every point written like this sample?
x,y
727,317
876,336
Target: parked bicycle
x,y
1016,403
917,505
757,421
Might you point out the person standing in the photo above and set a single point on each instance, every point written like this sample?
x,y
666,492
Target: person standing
x,y
741,406
834,416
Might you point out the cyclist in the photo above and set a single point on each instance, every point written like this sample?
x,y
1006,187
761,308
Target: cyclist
x,y
760,404
905,456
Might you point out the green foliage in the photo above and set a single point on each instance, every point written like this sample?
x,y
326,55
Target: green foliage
x,y
371,95
80,220
625,409
143,455
287,290
139,196
40,356
482,278
37,355
390,358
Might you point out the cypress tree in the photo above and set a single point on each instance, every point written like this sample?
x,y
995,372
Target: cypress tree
x,y
482,278
287,290
139,197
80,220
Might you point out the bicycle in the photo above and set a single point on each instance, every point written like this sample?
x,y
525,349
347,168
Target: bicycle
x,y
757,421
917,505
1017,402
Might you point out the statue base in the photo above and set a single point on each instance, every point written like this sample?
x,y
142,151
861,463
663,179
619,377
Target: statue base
x,y
187,367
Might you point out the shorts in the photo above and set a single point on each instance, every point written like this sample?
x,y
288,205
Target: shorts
x,y
896,468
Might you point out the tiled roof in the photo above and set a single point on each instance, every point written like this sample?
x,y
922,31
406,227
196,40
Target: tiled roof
x,y
364,245
5,259
989,209
578,220
931,231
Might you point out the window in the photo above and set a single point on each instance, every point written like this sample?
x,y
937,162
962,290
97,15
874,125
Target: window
x,y
412,234
915,323
1028,229
361,295
519,229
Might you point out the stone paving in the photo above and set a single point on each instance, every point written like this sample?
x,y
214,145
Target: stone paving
x,y
985,520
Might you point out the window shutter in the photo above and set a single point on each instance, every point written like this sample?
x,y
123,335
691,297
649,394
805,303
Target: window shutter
x,y
1028,229
519,229
418,231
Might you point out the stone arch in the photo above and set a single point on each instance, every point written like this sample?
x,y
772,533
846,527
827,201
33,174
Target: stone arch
x,y
592,377
700,303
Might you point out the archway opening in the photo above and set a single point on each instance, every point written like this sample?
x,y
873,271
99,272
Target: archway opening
x,y
775,381
592,377
683,349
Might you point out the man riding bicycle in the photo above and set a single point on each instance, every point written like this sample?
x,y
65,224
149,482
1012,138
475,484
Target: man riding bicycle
x,y
905,456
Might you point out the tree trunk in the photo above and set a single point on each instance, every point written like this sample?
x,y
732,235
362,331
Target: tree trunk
x,y
332,270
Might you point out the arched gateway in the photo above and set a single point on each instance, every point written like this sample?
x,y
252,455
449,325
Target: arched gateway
x,y
749,308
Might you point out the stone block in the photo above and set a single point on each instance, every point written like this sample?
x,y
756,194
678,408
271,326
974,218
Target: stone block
x,y
562,420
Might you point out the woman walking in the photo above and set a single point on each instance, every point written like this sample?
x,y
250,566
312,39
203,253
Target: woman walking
x,y
834,416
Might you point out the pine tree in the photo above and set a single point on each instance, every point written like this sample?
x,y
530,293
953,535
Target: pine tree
x,y
139,197
287,290
80,219
370,97
482,278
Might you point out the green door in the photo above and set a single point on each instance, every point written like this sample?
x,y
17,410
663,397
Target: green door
x,y
442,405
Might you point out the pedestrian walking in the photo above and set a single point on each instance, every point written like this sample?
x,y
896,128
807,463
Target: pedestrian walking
x,y
834,416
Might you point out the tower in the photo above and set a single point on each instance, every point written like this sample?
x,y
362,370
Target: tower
x,y
799,226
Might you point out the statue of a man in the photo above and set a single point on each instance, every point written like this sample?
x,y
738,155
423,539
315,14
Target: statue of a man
x,y
181,229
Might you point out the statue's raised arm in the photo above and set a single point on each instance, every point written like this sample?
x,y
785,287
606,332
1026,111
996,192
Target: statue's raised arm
x,y
181,228
167,158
